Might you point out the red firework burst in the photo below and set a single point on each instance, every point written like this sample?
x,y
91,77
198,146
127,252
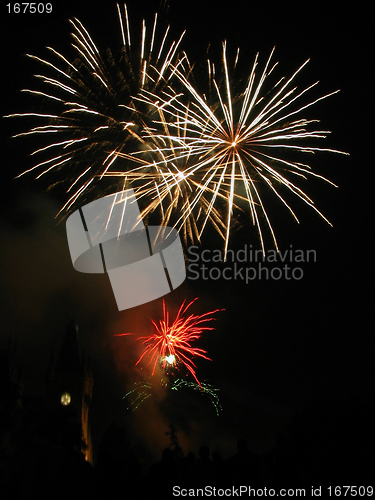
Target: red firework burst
x,y
171,343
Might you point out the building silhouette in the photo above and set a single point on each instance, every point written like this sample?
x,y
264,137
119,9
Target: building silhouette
x,y
45,437
69,391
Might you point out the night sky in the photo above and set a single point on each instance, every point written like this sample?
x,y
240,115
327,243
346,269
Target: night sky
x,y
280,345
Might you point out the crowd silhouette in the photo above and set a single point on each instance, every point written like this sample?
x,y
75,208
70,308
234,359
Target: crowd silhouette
x,y
325,443
52,470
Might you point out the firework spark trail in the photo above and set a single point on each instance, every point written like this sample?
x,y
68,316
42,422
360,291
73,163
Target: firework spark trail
x,y
97,120
140,391
231,140
138,394
174,339
203,388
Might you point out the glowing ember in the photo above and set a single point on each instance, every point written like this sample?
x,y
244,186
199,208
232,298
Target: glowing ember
x,y
171,359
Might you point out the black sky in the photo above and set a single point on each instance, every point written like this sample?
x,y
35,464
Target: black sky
x,y
279,344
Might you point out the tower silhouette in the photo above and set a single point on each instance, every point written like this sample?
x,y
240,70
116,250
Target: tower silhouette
x,y
69,387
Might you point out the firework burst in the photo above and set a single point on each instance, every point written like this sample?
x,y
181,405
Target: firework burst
x,y
170,344
236,142
135,119
92,108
